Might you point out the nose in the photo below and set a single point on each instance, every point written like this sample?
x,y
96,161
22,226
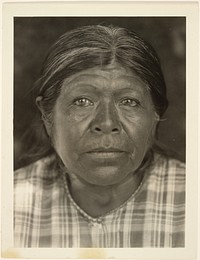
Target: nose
x,y
106,120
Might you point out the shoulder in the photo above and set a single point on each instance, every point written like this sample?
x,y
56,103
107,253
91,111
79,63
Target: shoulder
x,y
165,165
168,173
36,175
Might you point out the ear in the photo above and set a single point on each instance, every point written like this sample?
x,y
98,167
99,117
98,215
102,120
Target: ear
x,y
153,130
157,117
45,120
155,125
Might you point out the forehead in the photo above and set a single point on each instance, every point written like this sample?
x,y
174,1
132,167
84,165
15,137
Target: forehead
x,y
111,77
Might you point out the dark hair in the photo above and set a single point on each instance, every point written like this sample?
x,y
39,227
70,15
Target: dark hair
x,y
90,46
97,45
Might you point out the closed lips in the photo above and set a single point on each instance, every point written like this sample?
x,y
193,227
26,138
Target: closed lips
x,y
104,150
106,153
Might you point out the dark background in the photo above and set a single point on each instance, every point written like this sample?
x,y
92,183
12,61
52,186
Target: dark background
x,y
33,36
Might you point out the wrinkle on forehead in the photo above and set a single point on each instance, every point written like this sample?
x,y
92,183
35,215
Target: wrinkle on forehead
x,y
113,73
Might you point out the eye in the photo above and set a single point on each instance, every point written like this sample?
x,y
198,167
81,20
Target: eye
x,y
83,102
130,102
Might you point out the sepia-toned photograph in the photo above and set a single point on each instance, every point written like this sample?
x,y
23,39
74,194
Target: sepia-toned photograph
x,y
100,130
99,152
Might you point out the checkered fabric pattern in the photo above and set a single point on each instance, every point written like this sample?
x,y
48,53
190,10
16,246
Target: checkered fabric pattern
x,y
47,216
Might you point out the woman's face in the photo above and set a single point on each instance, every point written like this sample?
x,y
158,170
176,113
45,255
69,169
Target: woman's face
x,y
103,124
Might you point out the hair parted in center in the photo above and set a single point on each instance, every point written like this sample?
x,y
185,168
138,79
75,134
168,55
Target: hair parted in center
x,y
97,46
84,48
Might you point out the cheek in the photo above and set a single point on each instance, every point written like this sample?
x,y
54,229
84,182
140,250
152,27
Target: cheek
x,y
67,132
140,128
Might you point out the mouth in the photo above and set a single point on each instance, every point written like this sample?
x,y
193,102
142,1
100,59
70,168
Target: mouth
x,y
103,153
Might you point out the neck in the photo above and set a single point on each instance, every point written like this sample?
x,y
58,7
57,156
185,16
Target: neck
x,y
98,200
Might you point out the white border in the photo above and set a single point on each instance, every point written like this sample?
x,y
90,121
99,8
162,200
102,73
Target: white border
x,y
104,8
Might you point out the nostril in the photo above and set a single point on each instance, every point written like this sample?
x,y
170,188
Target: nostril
x,y
114,130
97,129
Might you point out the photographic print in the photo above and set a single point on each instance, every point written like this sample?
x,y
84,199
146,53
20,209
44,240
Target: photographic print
x,y
99,133
102,178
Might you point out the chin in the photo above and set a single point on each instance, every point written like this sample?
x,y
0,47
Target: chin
x,y
106,176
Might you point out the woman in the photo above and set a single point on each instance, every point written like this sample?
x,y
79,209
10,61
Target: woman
x,y
102,183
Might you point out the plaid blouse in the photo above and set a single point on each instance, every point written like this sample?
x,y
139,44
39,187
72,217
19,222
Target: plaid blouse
x,y
47,216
